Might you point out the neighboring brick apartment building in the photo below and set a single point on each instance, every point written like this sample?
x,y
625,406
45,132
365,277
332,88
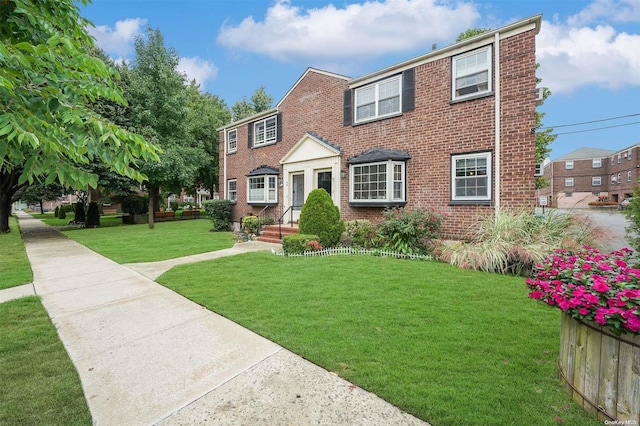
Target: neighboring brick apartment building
x,y
423,133
582,176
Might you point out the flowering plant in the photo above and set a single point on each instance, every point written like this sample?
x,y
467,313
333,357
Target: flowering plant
x,y
312,245
592,286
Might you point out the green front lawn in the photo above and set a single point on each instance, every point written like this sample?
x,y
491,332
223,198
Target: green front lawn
x,y
15,268
38,382
168,240
451,346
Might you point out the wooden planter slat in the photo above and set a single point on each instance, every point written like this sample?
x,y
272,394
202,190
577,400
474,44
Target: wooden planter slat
x,y
600,370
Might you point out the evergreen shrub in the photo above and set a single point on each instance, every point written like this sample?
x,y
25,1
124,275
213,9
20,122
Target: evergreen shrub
x,y
80,215
319,216
294,244
62,214
219,212
56,212
93,215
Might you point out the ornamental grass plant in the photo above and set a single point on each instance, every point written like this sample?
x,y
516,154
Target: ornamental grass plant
x,y
513,241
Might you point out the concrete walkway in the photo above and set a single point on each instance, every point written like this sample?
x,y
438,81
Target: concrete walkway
x,y
147,355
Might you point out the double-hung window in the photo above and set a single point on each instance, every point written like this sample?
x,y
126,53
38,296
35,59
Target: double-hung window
x,y
379,99
568,182
471,177
232,190
597,163
265,131
472,73
262,189
568,165
596,181
232,141
629,176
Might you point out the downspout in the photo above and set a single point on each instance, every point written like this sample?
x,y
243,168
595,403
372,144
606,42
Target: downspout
x,y
223,184
496,66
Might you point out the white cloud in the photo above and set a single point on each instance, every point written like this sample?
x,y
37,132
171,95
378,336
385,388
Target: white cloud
x,y
611,10
574,56
349,34
198,69
118,41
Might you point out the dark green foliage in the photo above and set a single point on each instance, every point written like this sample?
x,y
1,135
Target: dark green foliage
x,y
80,215
219,211
68,208
56,212
134,204
410,231
632,212
62,214
93,215
293,244
319,216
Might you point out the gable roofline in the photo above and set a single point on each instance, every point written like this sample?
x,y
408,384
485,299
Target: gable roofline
x,y
586,153
527,24
334,149
304,74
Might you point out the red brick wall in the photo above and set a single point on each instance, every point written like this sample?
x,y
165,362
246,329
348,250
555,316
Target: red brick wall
x,y
430,133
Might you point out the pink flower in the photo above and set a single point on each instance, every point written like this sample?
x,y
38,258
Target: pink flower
x,y
600,285
586,267
536,294
583,311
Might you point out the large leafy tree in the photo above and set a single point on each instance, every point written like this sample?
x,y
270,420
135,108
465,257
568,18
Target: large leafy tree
x,y
48,79
260,101
206,113
544,136
159,101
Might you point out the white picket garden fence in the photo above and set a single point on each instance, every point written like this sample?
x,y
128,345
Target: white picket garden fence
x,y
343,251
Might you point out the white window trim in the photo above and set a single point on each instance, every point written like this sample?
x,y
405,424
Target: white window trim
x,y
267,180
629,176
568,182
487,50
376,100
596,163
489,175
235,191
389,183
265,141
568,165
596,181
232,148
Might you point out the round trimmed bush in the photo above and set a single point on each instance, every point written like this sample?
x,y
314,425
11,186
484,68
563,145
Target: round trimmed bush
x,y
80,215
319,216
93,215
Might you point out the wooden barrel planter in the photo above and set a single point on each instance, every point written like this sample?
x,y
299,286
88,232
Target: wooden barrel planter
x,y
600,370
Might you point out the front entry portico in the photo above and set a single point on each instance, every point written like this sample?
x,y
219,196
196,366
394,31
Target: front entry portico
x,y
312,163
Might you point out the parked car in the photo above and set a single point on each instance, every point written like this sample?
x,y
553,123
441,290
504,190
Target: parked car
x,y
624,203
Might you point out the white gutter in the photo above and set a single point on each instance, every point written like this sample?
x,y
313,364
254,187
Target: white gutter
x,y
223,184
496,66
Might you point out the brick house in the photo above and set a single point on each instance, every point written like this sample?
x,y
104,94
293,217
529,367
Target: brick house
x,y
584,175
449,130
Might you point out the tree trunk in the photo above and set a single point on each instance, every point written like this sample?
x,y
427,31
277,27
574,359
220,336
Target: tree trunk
x,y
41,207
8,187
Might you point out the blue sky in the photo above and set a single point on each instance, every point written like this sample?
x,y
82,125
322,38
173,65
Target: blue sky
x,y
588,50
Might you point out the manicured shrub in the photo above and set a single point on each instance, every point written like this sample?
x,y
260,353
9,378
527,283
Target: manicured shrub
x,y
56,212
250,224
93,215
62,214
359,233
219,211
319,216
80,215
410,231
297,243
134,204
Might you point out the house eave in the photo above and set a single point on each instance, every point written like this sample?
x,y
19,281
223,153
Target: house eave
x,y
249,119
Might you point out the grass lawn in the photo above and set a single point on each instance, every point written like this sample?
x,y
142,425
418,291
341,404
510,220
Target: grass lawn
x,y
452,347
40,385
15,268
138,243
50,219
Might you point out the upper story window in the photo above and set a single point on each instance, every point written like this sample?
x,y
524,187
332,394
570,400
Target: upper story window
x,y
629,176
568,165
232,190
629,154
232,141
613,161
613,178
619,158
378,99
471,177
619,178
264,131
472,73
568,182
597,163
596,181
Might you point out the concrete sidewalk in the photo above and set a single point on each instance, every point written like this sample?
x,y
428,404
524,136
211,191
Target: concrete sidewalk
x,y
147,355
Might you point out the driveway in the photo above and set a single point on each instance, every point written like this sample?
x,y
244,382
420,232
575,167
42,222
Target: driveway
x,y
613,220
